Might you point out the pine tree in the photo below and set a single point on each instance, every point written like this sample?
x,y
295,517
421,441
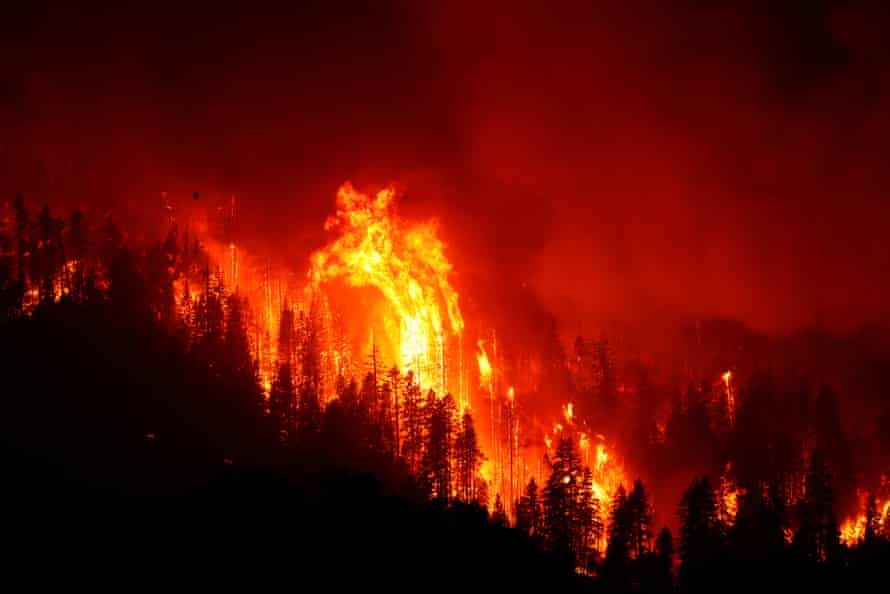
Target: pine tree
x,y
468,458
77,243
412,443
282,403
618,550
529,514
126,287
437,453
239,360
664,561
159,277
308,412
664,546
536,516
640,517
395,386
43,258
817,537
561,500
588,522
310,386
699,524
240,390
213,324
499,515
385,423
286,341
481,492
309,341
368,396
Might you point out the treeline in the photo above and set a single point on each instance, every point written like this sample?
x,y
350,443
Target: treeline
x,y
761,540
387,414
171,284
114,384
767,425
783,471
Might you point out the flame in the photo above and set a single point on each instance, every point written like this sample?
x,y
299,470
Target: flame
x,y
853,529
730,396
511,393
607,472
601,455
485,373
407,264
730,493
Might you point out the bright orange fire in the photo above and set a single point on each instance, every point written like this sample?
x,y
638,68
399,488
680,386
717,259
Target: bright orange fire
x,y
485,373
730,493
853,528
730,396
372,247
568,411
407,264
608,473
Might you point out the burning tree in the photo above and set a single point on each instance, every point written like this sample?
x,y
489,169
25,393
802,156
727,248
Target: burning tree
x,y
570,510
468,458
817,537
407,264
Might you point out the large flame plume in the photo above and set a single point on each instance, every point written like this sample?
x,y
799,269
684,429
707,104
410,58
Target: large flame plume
x,y
407,264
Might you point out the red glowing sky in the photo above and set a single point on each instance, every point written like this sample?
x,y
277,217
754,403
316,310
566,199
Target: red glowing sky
x,y
626,159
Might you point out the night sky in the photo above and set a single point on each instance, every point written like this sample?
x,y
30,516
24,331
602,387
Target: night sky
x,y
629,159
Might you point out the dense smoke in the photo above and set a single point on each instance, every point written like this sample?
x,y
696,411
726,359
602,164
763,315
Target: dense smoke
x,y
692,159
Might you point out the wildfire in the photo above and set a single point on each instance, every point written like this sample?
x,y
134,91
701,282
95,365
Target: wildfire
x,y
853,529
407,264
730,396
485,373
730,493
607,472
568,412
